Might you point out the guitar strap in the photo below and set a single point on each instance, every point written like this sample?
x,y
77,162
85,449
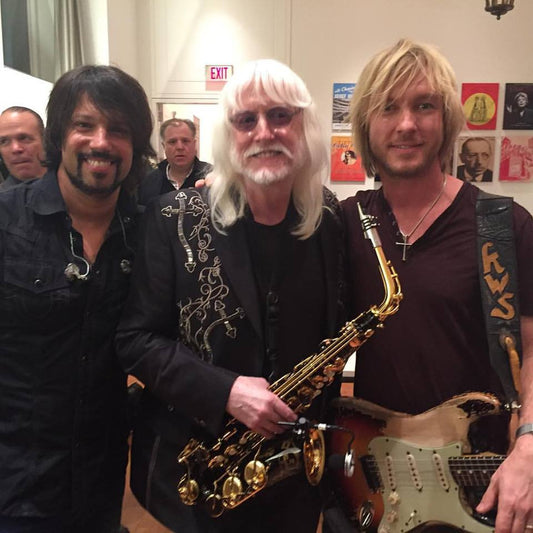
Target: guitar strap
x,y
498,279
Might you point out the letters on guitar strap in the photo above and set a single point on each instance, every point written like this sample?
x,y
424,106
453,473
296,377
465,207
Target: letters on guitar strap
x,y
499,288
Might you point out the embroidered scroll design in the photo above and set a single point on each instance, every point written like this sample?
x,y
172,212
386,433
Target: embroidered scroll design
x,y
199,316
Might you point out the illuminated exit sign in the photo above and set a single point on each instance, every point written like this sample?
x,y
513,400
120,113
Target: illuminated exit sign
x,y
216,76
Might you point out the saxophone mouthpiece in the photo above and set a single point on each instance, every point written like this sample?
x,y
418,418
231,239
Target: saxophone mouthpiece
x,y
369,224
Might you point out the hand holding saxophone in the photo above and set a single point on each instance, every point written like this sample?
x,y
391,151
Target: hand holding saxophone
x,y
259,409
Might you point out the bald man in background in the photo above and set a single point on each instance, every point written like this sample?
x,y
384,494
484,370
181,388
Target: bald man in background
x,y
21,145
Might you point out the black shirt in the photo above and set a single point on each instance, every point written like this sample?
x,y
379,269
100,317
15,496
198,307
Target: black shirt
x,y
62,392
290,281
156,182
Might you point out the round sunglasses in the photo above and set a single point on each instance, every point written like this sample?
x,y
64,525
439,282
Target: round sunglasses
x,y
276,117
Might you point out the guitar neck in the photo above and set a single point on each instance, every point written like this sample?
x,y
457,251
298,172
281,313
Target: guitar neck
x,y
474,470
467,470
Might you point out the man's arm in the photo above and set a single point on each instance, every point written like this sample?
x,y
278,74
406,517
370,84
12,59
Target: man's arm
x,y
511,487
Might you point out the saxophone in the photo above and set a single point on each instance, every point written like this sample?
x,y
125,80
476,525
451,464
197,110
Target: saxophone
x,y
241,462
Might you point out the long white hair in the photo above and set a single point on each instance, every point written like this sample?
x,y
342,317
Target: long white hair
x,y
267,78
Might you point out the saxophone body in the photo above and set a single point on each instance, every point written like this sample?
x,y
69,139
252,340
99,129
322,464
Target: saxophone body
x,y
240,463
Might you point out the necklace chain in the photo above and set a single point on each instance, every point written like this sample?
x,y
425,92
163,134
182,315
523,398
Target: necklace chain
x,y
405,236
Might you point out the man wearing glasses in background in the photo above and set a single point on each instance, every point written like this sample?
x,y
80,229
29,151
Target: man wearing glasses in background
x,y
234,286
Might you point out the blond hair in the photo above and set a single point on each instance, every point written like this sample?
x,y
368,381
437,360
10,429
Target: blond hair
x,y
396,68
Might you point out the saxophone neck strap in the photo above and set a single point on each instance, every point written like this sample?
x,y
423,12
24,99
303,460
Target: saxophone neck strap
x,y
499,289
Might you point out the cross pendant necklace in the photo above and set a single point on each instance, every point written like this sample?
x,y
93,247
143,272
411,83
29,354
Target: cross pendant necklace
x,y
405,244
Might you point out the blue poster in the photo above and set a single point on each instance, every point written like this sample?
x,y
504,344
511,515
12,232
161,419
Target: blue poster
x,y
342,94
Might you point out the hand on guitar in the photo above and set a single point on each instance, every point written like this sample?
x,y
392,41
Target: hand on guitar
x,y
511,489
251,403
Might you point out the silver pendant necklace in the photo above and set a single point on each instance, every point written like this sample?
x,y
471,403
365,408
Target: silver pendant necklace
x,y
405,236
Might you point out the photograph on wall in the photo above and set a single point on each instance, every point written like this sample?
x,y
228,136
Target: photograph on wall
x,y
480,105
516,162
345,165
518,113
342,94
475,158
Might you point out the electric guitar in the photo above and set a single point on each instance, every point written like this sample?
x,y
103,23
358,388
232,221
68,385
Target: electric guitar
x,y
413,469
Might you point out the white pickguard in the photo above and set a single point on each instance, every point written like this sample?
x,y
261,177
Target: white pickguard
x,y
418,486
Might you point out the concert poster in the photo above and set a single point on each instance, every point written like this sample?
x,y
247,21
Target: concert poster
x,y
480,105
518,112
474,157
345,165
342,94
516,161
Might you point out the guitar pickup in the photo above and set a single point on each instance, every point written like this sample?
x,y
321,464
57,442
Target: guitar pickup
x,y
371,471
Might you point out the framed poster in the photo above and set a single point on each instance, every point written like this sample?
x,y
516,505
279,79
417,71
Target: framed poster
x,y
342,94
480,105
475,158
345,165
518,113
516,162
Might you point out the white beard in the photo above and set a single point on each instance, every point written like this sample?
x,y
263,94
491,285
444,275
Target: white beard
x,y
265,176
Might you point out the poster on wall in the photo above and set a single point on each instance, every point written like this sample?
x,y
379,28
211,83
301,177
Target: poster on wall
x,y
342,94
475,158
518,113
480,105
345,165
516,162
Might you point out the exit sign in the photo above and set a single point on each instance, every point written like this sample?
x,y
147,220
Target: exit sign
x,y
216,76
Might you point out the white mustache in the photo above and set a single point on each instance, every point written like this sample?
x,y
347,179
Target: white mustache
x,y
275,147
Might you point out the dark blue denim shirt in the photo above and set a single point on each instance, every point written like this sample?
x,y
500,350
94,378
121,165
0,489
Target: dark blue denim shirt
x,y
62,392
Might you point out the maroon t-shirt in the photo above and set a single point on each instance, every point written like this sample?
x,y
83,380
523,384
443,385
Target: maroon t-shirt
x,y
435,346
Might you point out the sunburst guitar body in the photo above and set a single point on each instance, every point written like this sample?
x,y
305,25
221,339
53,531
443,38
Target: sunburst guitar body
x,y
414,469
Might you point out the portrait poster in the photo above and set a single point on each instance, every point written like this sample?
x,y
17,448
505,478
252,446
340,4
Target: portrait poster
x,y
516,161
345,165
342,94
474,160
480,105
518,112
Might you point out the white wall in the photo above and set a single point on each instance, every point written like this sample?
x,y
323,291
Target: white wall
x,y
24,90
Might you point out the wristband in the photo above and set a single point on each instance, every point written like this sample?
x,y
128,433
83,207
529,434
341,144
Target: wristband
x,y
523,429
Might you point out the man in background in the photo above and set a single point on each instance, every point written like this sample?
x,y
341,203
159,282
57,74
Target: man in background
x,y
67,243
406,115
181,168
21,145
475,155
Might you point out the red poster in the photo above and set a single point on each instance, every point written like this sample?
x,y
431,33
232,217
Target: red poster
x,y
480,105
345,165
516,163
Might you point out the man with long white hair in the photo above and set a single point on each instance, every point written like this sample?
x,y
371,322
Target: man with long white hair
x,y
234,286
